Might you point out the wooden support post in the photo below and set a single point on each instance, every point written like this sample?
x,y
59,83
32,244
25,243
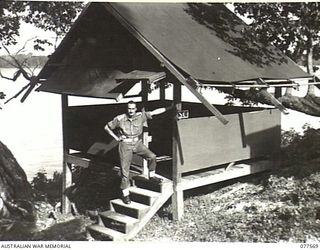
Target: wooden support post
x,y
162,91
66,175
276,155
177,198
145,134
278,92
66,183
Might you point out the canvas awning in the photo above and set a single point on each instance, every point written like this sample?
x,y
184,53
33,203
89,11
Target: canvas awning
x,y
196,43
96,82
206,41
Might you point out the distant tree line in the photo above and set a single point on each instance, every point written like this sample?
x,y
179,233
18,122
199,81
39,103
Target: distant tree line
x,y
6,61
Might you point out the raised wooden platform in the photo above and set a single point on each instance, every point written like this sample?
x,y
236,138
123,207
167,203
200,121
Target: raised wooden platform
x,y
223,174
85,160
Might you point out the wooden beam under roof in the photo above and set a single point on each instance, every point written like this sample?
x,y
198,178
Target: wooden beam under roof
x,y
276,80
142,75
254,85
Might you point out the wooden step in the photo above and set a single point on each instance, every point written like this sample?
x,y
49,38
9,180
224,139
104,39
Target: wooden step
x,y
145,183
124,221
143,196
134,209
218,175
167,190
99,232
118,222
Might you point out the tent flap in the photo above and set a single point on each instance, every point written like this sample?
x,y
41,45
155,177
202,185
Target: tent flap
x,y
95,82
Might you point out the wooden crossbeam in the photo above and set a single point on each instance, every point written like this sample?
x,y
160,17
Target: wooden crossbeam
x,y
142,75
276,80
187,82
254,85
274,100
213,110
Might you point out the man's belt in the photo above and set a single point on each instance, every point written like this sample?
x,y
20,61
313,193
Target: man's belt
x,y
130,139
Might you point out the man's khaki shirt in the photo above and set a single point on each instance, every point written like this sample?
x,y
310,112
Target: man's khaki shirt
x,y
130,127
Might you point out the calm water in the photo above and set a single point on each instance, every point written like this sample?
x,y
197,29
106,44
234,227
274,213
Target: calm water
x,y
32,130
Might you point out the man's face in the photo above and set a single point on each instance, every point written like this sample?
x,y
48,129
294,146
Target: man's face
x,y
132,109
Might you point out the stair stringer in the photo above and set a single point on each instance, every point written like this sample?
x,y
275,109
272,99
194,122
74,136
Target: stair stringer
x,y
167,191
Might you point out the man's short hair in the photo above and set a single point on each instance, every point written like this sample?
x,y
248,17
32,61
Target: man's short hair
x,y
132,102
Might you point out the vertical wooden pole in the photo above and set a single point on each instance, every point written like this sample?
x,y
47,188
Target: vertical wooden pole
x,y
66,175
162,91
278,92
276,155
177,198
145,134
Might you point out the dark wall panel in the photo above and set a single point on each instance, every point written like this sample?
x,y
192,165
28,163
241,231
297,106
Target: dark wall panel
x,y
206,142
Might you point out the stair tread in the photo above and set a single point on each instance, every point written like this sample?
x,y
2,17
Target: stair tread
x,y
107,231
119,217
144,191
133,204
144,178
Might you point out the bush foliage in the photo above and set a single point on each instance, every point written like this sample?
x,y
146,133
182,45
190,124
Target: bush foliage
x,y
297,148
47,189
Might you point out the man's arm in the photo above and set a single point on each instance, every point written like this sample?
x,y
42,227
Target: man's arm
x,y
161,110
110,132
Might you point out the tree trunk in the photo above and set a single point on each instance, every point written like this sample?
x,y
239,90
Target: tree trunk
x,y
13,180
311,88
309,105
288,91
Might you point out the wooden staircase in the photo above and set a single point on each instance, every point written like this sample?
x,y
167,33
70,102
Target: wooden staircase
x,y
122,222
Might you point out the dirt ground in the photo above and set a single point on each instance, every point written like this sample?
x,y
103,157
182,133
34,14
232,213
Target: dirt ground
x,y
281,206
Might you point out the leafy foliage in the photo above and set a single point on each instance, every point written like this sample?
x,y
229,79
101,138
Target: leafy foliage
x,y
298,148
47,189
48,15
51,16
292,27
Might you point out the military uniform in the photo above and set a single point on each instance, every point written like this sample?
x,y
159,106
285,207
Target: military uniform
x,y
130,129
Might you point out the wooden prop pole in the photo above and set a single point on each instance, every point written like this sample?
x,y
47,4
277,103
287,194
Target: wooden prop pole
x,y
177,198
145,135
66,175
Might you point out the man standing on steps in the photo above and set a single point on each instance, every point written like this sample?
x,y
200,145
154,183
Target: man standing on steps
x,y
130,127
